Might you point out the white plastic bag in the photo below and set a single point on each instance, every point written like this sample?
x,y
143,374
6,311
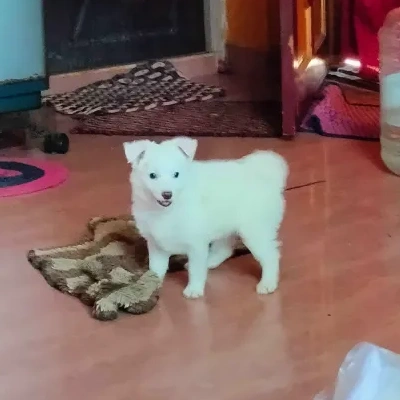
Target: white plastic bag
x,y
368,372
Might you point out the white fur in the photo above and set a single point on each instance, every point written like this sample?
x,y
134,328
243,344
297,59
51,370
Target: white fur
x,y
212,201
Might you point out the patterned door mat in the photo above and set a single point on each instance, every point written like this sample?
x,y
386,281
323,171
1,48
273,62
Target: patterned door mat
x,y
146,86
343,114
212,118
357,96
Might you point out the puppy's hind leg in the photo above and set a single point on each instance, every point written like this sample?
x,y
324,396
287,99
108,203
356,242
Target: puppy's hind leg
x,y
220,251
265,248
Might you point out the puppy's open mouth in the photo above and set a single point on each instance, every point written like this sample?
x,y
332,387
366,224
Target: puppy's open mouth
x,y
164,203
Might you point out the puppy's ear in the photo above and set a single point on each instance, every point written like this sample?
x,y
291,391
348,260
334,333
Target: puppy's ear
x,y
134,151
187,145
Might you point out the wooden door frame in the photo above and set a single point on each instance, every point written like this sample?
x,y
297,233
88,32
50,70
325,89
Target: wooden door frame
x,y
298,85
289,91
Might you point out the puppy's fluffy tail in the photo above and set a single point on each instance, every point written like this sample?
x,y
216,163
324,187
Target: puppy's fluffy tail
x,y
269,166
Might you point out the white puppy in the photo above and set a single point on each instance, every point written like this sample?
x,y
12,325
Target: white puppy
x,y
196,208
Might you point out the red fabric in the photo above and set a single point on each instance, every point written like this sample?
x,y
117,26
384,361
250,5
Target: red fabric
x,y
361,21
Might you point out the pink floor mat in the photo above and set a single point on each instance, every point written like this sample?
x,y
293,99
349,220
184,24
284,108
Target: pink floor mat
x,y
20,176
335,116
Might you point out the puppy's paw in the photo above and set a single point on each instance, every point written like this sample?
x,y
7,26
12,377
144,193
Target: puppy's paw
x,y
267,287
192,292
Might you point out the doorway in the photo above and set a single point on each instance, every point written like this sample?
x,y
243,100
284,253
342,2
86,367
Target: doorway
x,y
88,34
332,99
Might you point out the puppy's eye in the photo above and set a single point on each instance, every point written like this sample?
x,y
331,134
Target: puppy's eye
x,y
152,176
176,174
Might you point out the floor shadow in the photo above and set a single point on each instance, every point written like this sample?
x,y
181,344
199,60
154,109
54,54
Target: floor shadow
x,y
372,152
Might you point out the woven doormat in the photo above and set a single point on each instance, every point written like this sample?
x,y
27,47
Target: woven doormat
x,y
211,118
146,86
357,96
344,114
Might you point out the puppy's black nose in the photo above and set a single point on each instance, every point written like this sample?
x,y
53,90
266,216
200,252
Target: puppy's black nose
x,y
166,195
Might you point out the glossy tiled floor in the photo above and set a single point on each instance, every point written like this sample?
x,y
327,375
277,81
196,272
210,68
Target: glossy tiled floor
x,y
340,285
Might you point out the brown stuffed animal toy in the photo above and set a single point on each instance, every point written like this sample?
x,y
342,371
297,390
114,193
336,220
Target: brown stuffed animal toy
x,y
108,270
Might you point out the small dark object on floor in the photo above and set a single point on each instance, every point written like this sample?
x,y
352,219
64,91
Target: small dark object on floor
x,y
56,143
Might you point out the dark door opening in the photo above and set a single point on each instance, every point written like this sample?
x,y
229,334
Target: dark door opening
x,y
85,34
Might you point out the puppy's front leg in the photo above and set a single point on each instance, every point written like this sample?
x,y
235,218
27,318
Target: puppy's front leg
x,y
198,269
158,259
